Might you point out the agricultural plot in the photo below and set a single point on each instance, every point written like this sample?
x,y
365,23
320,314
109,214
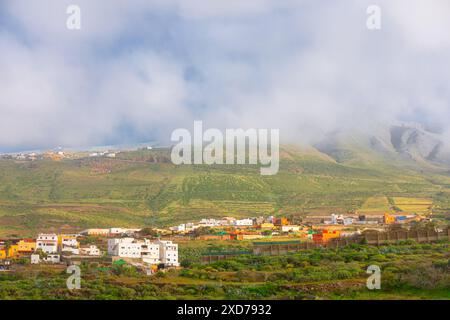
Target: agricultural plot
x,y
413,205
375,205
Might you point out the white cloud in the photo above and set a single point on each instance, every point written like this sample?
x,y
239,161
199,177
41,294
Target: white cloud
x,y
151,66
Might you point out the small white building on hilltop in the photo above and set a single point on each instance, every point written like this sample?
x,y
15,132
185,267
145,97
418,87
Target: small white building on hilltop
x,y
47,242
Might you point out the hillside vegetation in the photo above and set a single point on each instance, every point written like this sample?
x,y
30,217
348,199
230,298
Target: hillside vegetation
x,y
142,188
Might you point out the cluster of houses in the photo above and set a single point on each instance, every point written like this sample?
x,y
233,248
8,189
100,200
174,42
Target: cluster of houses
x,y
229,228
33,156
127,243
109,232
400,219
339,219
52,248
260,222
106,154
55,155
47,247
318,230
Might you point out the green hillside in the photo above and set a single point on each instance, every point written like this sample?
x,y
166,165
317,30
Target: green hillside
x,y
142,188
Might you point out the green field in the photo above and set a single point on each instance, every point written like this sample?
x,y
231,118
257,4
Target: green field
x,y
408,271
142,188
413,205
375,205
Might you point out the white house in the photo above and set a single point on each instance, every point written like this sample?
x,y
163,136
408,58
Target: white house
x,y
120,231
69,244
337,219
150,252
179,228
48,243
168,253
52,258
116,231
124,247
209,222
347,221
227,221
290,228
244,222
91,250
191,226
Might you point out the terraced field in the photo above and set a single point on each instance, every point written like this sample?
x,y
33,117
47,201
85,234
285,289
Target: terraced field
x,y
413,205
375,205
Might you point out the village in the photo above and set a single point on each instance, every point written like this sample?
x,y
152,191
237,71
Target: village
x,y
114,245
153,250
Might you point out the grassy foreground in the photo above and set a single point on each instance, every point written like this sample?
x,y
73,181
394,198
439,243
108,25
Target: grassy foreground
x,y
408,271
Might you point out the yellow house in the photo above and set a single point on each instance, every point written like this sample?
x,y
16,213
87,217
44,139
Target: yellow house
x,y
2,254
267,226
26,246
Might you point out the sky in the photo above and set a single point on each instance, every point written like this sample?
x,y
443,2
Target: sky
x,y
139,69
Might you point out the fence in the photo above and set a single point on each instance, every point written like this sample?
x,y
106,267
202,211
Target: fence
x,y
376,238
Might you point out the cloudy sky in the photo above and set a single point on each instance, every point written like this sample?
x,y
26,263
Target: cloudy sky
x,y
139,69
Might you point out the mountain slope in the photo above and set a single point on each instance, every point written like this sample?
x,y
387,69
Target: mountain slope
x,y
142,188
401,145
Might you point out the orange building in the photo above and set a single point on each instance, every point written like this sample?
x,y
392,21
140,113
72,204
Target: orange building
x,y
281,221
389,219
324,236
13,252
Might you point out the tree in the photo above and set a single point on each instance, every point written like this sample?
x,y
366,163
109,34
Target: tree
x,y
7,246
149,232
